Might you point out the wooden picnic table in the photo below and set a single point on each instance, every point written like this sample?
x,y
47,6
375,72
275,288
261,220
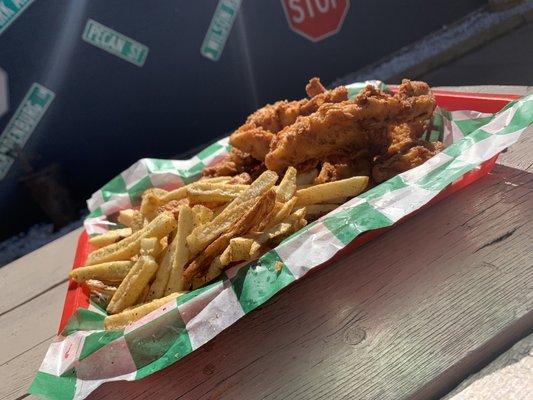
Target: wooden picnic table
x,y
408,315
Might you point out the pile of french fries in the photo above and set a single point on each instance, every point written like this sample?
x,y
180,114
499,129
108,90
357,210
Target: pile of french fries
x,y
181,239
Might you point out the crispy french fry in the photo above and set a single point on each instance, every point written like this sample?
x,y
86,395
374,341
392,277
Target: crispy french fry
x,y
281,214
180,256
275,233
338,200
217,179
113,271
201,236
215,269
287,186
158,191
119,321
127,217
176,194
172,206
138,221
152,246
250,219
133,284
239,248
202,214
214,192
325,192
318,210
161,226
144,294
218,210
149,205
306,178
110,237
157,288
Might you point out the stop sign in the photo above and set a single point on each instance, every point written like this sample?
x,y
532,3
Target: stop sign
x,y
315,19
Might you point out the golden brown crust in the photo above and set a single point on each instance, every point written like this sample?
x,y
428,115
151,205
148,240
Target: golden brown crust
x,y
347,125
408,158
260,128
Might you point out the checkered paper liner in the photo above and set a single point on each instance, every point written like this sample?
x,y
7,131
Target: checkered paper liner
x,y
85,355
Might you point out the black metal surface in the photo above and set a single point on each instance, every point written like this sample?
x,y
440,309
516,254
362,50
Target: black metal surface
x,y
107,112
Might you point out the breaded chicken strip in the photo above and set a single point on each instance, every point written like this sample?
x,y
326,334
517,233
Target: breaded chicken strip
x,y
255,135
337,167
236,162
405,160
346,126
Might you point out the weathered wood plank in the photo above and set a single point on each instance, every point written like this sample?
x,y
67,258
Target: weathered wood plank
x,y
384,321
16,374
37,272
31,323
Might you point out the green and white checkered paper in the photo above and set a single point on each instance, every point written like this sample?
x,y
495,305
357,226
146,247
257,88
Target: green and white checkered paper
x,y
85,355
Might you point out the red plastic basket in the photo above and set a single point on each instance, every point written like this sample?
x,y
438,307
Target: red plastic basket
x,y
77,296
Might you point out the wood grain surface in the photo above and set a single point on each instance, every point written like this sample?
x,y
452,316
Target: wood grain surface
x,y
409,315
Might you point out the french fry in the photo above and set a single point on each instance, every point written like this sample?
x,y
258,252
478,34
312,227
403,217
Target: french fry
x,y
250,219
109,272
289,225
149,205
280,215
110,237
214,192
144,294
161,226
325,192
318,210
157,288
201,236
152,246
287,186
218,210
133,284
202,214
138,221
172,206
338,200
119,321
217,179
176,194
180,255
215,269
239,248
306,178
127,217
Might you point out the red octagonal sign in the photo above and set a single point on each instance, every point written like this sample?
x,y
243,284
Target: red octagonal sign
x,y
315,19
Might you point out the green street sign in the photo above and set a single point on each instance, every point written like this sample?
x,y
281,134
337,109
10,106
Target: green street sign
x,y
220,28
115,43
10,11
23,123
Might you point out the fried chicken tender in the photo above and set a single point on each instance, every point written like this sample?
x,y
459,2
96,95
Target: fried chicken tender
x,y
395,137
255,136
342,166
235,163
408,158
346,126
